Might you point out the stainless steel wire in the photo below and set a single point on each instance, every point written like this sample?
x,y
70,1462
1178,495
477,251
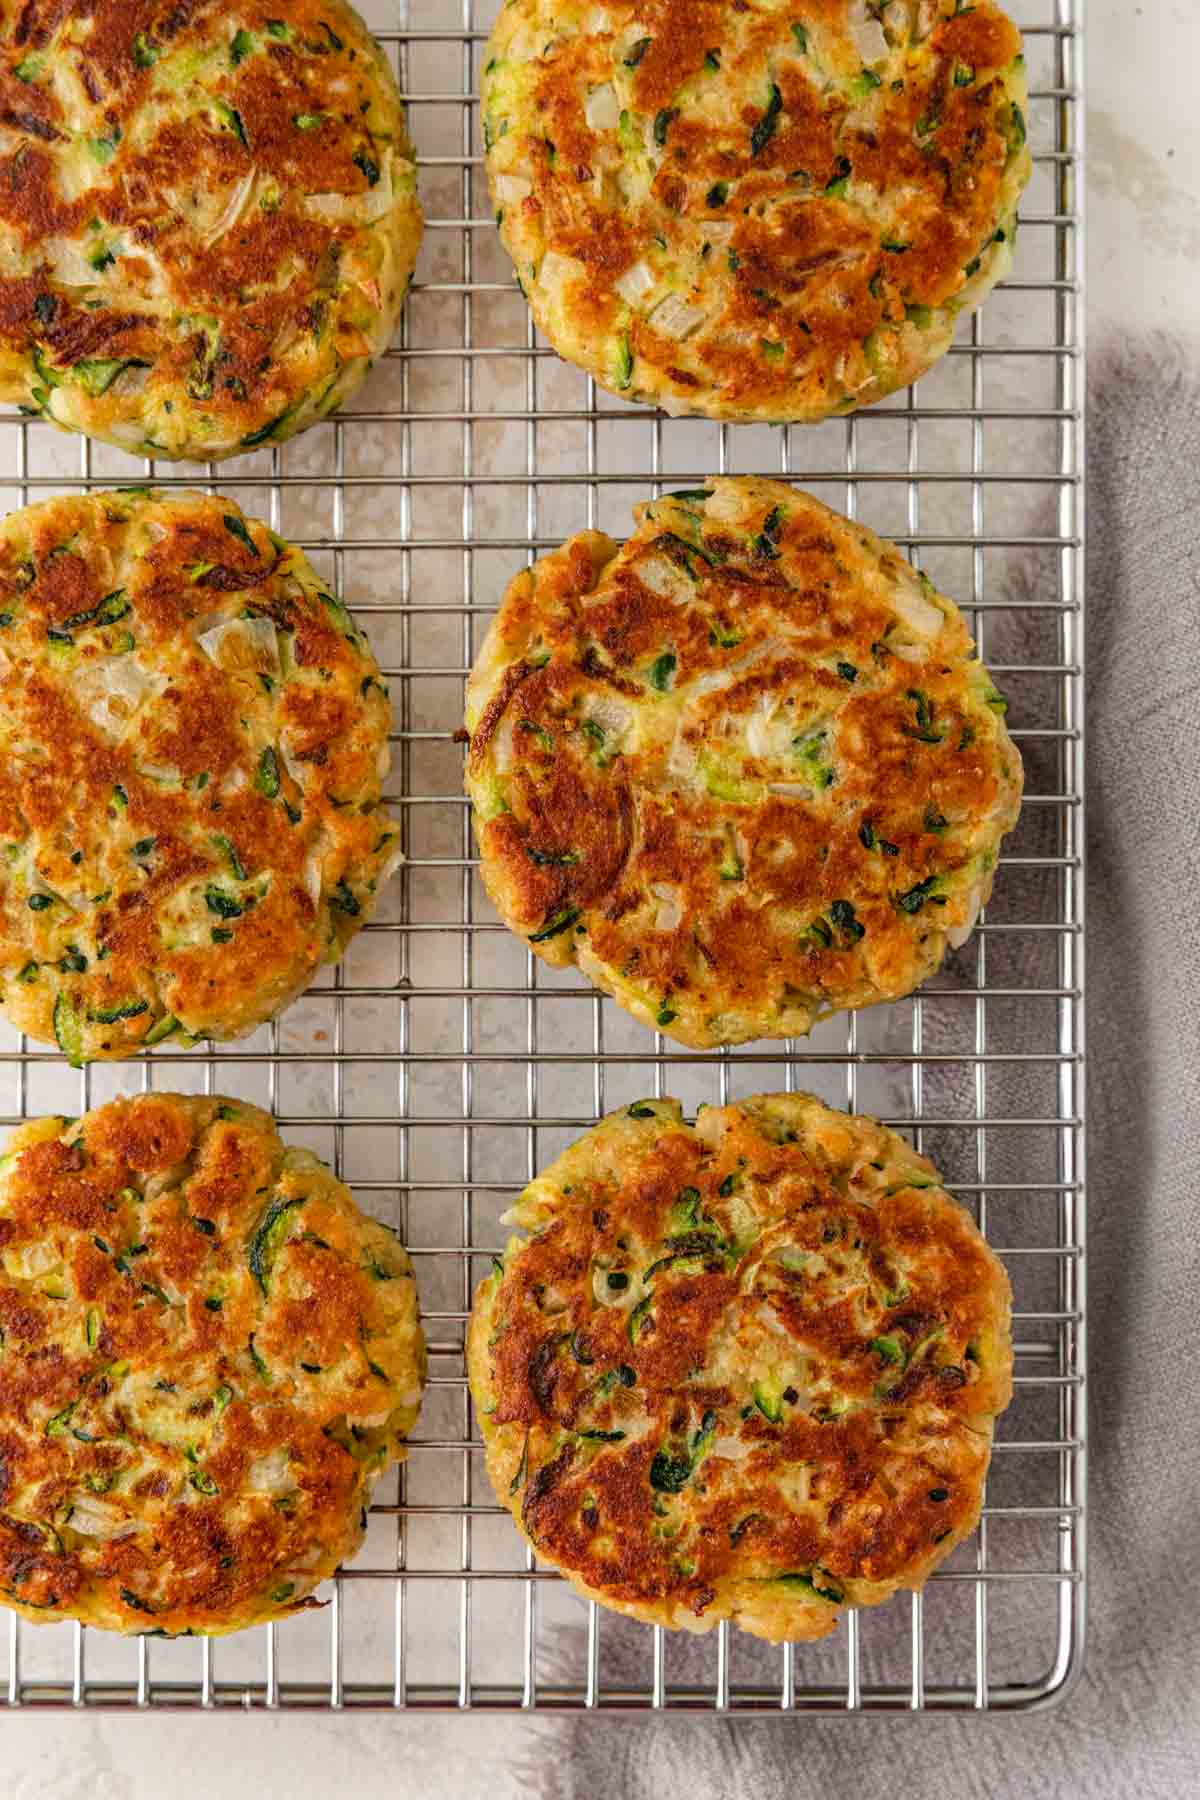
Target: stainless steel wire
x,y
440,1065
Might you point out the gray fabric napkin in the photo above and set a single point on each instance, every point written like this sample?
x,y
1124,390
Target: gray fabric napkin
x,y
1132,1726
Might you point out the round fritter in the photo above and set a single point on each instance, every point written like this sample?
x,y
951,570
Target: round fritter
x,y
210,1356
746,1369
745,772
193,738
209,217
755,212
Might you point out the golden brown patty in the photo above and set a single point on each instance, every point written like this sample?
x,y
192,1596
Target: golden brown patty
x,y
209,1357
755,212
746,1369
745,771
209,217
193,738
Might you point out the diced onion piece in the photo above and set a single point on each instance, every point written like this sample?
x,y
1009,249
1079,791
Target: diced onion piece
x,y
732,1449
897,17
27,1262
609,714
675,318
388,866
239,199
867,33
636,283
163,1180
512,189
669,910
131,379
662,577
502,746
128,433
235,644
353,209
270,1474
862,376
601,110
557,270
731,672
629,184
313,877
863,116
379,200
790,790
69,265
915,608
927,18
960,933
92,1517
729,503
768,731
296,769
612,719
758,741
369,1421
337,209
110,692
768,1316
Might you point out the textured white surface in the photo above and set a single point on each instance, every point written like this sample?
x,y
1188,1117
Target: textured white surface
x,y
1144,162
1145,237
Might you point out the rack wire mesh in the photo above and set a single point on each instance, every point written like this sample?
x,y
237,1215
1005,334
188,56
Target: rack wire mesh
x,y
441,1064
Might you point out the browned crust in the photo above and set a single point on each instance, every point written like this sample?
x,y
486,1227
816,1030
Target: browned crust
x,y
221,344
811,272
780,607
162,1369
76,800
893,1455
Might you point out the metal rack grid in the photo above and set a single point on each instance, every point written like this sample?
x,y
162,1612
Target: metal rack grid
x,y
440,1065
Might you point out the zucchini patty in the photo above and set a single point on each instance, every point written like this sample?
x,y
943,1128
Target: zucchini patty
x,y
746,771
746,1369
193,739
209,213
755,212
210,1356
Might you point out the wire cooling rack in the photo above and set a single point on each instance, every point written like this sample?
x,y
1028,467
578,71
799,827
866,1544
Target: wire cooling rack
x,y
441,1065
